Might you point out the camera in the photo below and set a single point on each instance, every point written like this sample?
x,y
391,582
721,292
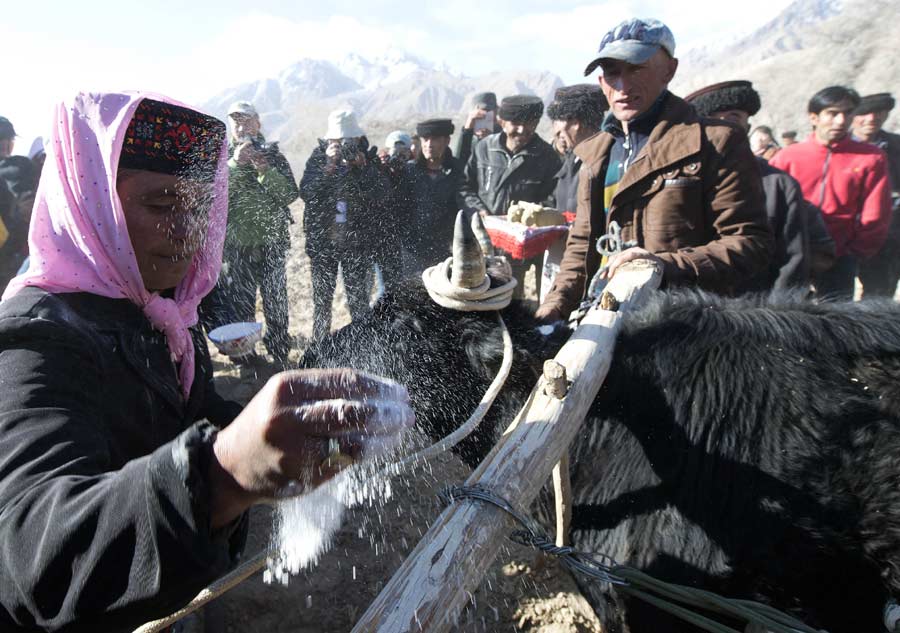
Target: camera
x,y
348,150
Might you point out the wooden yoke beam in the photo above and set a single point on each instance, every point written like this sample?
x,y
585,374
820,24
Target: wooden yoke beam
x,y
434,583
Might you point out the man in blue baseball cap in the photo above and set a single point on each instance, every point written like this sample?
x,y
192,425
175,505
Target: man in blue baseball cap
x,y
673,187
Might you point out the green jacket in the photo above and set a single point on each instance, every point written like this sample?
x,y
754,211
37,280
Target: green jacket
x,y
258,211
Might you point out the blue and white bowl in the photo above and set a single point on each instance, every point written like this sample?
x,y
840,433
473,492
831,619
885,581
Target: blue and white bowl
x,y
237,339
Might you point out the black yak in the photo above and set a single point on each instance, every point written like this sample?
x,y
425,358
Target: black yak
x,y
747,446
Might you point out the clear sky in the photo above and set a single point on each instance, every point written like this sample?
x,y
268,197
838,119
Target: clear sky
x,y
192,49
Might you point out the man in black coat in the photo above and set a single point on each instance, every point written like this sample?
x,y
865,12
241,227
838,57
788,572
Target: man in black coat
x,y
345,193
19,179
577,114
434,180
879,274
515,165
737,101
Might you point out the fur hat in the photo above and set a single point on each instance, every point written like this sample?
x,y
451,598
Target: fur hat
x,y
880,102
435,127
583,102
519,108
485,101
727,95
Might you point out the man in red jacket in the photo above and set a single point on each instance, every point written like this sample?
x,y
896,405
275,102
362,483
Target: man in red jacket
x,y
847,180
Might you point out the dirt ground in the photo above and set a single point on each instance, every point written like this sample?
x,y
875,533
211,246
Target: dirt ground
x,y
514,596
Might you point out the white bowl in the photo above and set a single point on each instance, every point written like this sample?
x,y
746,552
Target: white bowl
x,y
237,339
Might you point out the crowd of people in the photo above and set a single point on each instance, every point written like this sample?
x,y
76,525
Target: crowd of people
x,y
124,478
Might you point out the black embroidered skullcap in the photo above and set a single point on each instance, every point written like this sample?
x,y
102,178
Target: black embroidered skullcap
x,y
880,102
435,127
171,139
727,95
520,108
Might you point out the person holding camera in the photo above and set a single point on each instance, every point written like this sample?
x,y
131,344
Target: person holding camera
x,y
261,185
480,123
390,237
345,193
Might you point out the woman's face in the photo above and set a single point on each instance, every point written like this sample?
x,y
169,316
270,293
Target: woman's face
x,y
167,219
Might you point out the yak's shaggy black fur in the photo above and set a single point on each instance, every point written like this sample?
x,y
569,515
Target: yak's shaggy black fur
x,y
747,446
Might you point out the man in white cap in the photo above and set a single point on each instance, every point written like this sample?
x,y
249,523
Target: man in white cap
x,y
662,183
261,186
345,195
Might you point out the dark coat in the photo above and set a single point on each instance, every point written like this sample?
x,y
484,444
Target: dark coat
x,y
693,196
567,183
466,140
365,191
494,178
890,143
790,266
104,505
435,201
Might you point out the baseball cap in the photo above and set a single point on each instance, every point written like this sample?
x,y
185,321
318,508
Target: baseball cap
x,y
242,107
634,41
397,136
6,128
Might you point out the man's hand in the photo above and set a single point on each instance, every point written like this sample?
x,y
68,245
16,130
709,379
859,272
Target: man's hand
x,y
628,255
284,438
547,314
474,115
247,154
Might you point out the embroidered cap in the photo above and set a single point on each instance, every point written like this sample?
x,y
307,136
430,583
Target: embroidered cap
x,y
634,41
171,139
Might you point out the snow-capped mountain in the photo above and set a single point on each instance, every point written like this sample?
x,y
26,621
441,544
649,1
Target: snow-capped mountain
x,y
382,70
808,46
393,87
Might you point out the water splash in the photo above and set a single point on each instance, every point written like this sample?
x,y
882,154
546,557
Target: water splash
x,y
304,526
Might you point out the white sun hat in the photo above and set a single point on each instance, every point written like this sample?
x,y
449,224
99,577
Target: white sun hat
x,y
342,124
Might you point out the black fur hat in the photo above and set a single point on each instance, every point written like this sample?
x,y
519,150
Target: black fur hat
x,y
519,108
880,102
728,95
582,102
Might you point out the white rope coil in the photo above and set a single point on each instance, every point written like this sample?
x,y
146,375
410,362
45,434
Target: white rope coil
x,y
482,298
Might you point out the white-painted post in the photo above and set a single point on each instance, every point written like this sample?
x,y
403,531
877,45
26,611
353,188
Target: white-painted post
x,y
434,583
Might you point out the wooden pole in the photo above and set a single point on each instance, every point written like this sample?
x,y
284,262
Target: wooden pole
x,y
434,583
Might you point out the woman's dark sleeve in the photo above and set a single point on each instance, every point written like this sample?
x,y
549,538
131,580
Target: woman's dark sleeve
x,y
84,546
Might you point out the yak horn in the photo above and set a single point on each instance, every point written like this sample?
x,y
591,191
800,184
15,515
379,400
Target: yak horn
x,y
481,234
468,260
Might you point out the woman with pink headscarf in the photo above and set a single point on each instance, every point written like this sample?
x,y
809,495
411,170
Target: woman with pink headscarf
x,y
124,477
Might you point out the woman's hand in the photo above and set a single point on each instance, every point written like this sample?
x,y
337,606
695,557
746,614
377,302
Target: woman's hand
x,y
287,435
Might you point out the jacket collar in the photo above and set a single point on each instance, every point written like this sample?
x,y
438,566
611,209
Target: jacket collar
x,y
842,145
499,145
643,123
128,323
676,136
448,163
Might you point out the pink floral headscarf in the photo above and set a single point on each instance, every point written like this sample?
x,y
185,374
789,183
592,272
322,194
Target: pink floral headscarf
x,y
78,240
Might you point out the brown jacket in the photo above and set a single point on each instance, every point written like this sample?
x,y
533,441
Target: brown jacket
x,y
693,196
